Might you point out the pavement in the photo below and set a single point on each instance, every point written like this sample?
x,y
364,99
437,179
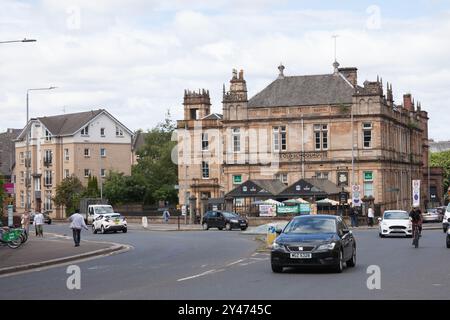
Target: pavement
x,y
50,250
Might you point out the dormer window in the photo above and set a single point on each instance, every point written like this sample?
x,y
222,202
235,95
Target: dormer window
x,y
85,131
48,135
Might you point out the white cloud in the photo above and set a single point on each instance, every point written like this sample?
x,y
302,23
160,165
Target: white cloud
x,y
135,59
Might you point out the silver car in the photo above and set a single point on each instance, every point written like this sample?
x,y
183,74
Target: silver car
x,y
432,215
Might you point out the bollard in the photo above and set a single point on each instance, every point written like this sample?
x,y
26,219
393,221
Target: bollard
x,y
144,222
271,234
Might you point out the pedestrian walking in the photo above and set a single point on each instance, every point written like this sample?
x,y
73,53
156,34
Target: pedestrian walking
x,y
166,216
38,222
353,216
25,221
370,216
77,223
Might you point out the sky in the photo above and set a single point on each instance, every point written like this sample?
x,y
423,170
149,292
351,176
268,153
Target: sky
x,y
135,58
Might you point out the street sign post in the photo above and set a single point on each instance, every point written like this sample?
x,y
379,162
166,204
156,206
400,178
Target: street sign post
x,y
356,195
416,193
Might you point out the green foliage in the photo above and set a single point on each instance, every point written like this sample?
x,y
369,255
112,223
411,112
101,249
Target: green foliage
x,y
2,195
68,194
155,175
92,190
442,159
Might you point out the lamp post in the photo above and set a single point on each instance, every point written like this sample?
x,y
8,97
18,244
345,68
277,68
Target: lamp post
x,y
23,40
27,153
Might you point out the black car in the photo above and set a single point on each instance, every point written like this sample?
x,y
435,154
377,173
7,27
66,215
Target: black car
x,y
315,241
47,218
223,219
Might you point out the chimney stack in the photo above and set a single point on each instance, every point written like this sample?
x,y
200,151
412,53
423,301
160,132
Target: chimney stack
x,y
407,102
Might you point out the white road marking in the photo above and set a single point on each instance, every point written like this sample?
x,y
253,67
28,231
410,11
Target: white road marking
x,y
197,275
260,259
235,262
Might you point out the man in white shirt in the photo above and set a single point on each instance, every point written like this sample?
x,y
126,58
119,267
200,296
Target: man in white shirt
x,y
77,223
371,216
38,222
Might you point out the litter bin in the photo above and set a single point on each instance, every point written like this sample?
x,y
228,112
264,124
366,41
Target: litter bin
x,y
271,234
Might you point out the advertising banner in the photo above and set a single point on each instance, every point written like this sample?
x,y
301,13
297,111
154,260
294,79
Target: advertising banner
x,y
267,210
416,193
288,209
356,195
305,208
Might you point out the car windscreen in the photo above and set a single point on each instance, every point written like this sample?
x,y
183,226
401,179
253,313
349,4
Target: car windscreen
x,y
397,215
311,225
103,210
229,215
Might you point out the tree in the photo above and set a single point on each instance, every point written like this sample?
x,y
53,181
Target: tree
x,y
442,159
92,190
69,193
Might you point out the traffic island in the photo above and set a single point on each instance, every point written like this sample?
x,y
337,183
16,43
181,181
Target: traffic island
x,y
51,250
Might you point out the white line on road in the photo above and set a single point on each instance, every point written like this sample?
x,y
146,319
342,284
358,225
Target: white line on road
x,y
235,262
260,259
197,275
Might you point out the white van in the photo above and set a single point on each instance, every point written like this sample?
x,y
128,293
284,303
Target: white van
x,y
94,210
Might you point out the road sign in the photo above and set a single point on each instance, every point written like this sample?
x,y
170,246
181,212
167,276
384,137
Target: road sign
x,y
416,193
183,210
343,197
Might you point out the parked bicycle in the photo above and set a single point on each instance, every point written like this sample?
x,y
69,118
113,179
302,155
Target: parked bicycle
x,y
13,237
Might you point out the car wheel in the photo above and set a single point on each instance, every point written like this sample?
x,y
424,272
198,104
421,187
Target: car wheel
x,y
243,229
94,231
103,230
228,226
49,221
380,235
205,226
277,269
124,230
220,228
340,265
352,261
444,229
115,231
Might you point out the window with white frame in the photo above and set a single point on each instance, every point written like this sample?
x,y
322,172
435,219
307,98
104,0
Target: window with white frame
x,y
367,134
368,183
279,138
87,173
102,132
48,135
87,152
322,175
236,138
85,131
205,170
66,154
119,131
22,177
48,201
22,199
321,136
66,173
205,142
21,158
48,157
102,152
283,177
37,184
48,178
102,173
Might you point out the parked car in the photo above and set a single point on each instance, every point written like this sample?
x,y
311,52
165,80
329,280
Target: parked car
x,y
447,239
395,222
223,219
109,222
445,222
315,241
431,215
47,218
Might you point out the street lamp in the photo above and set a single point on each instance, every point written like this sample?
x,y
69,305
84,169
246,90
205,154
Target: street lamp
x,y
23,40
27,156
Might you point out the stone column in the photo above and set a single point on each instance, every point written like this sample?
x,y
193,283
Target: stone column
x,y
203,207
192,209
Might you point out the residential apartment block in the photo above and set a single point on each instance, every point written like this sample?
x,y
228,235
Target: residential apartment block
x,y
303,127
82,144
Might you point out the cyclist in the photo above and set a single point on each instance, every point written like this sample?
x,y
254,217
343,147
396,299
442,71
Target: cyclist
x,y
416,218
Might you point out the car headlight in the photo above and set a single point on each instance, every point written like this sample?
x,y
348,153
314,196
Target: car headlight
x,y
328,246
234,221
277,246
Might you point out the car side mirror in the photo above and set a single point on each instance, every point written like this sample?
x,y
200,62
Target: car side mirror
x,y
448,219
278,230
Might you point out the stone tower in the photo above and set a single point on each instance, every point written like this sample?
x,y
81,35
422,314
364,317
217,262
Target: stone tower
x,y
196,104
235,101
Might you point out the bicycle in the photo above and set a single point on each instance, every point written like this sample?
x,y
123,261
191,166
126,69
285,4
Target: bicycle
x,y
416,235
12,238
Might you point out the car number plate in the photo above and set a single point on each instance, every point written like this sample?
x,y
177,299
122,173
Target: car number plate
x,y
301,255
117,221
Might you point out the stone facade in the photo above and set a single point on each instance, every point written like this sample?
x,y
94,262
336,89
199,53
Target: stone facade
x,y
303,127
